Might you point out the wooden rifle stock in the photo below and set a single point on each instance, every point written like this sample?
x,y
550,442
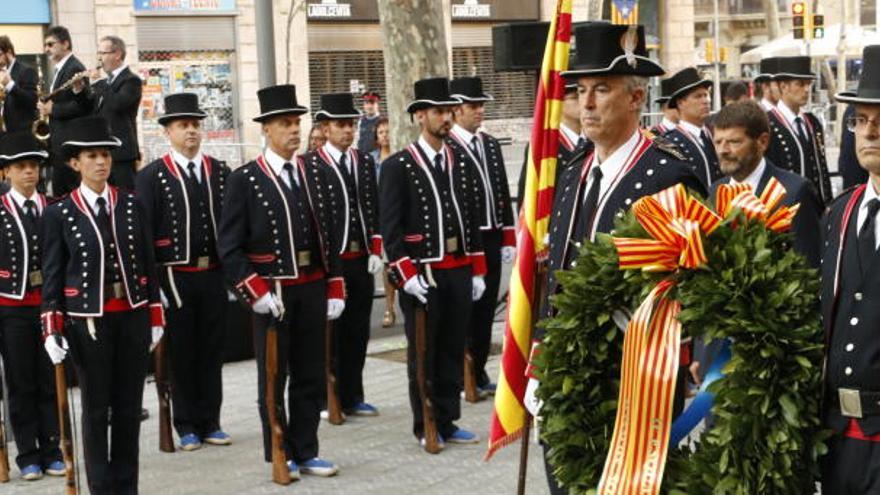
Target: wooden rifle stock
x,y
4,453
471,394
334,409
163,389
432,442
280,473
64,430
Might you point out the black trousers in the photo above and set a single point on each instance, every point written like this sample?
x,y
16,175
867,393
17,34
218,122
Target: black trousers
x,y
352,332
111,369
122,175
30,382
195,343
64,178
448,313
851,467
300,357
479,336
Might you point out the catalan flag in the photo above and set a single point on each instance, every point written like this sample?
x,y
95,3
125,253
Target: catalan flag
x,y
625,12
510,414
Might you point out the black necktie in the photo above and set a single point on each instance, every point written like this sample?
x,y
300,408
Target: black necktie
x,y
288,169
30,216
867,240
103,221
588,205
705,140
192,172
343,167
801,131
438,162
582,143
475,147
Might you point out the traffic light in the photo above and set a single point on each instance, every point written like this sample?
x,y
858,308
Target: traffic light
x,y
710,51
798,18
818,26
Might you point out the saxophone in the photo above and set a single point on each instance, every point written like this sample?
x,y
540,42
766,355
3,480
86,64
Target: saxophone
x,y
40,128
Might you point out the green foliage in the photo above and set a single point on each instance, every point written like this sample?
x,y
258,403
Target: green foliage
x,y
755,291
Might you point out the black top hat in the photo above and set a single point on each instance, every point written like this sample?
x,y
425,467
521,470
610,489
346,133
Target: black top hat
x,y
793,68
88,132
337,106
21,145
605,49
278,100
769,68
181,106
869,82
683,82
665,91
431,92
468,89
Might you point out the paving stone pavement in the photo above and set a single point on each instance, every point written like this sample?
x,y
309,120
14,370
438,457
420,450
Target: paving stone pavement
x,y
376,455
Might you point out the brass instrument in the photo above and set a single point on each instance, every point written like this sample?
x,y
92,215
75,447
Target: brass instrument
x,y
40,128
3,101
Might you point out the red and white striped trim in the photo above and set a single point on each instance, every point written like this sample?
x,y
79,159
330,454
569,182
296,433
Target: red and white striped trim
x,y
157,315
255,286
52,322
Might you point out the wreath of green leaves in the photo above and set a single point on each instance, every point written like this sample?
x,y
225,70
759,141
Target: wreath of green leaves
x,y
754,290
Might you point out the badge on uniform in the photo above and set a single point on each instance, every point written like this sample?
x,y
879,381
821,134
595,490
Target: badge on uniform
x,y
304,258
35,278
354,246
203,262
850,402
452,245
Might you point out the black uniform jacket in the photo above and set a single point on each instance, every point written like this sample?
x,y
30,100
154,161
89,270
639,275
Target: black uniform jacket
x,y
565,152
255,240
161,188
411,211
74,259
15,255
367,201
704,162
20,105
805,226
67,105
491,191
118,103
787,153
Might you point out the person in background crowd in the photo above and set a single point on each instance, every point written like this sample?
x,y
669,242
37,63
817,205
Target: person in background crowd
x,y
735,92
19,81
316,139
367,125
382,152
766,89
847,162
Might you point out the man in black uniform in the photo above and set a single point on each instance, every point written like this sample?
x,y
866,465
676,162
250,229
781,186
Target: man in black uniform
x,y
431,230
765,87
596,188
100,290
182,193
797,141
19,81
352,173
689,94
847,163
277,248
117,98
851,305
492,194
670,115
29,378
64,107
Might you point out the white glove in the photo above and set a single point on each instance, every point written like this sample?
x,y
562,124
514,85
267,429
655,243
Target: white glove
x,y
56,352
230,296
508,254
335,307
529,400
157,333
267,304
163,298
374,264
477,288
417,287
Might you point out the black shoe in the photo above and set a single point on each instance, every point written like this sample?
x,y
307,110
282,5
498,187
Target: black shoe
x,y
145,415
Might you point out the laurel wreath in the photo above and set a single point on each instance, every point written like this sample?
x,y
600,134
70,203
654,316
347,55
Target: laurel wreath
x,y
754,290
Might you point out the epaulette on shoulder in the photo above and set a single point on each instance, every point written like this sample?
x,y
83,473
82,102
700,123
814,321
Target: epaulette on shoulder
x,y
669,148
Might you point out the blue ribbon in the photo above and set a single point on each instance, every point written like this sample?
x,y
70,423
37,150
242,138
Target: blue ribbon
x,y
702,403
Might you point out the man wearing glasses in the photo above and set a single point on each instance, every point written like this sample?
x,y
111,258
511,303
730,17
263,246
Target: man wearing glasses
x,y
19,82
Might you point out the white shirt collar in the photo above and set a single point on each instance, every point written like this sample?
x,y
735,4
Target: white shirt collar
x,y
668,124
463,133
753,178
91,197
276,163
334,152
870,193
690,128
614,163
767,105
787,112
429,151
570,134
63,61
116,72
183,162
20,199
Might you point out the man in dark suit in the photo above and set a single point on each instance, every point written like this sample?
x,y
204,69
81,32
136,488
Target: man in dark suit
x,y
20,83
117,98
851,306
595,188
64,107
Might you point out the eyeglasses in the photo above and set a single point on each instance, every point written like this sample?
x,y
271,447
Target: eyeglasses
x,y
859,123
107,52
49,44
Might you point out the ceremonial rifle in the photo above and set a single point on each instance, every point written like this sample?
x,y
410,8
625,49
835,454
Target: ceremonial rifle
x,y
163,389
334,409
66,440
432,442
4,455
471,394
274,410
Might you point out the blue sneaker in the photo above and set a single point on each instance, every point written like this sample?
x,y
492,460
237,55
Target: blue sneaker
x,y
487,390
463,437
318,467
56,468
190,442
364,409
294,470
218,437
31,472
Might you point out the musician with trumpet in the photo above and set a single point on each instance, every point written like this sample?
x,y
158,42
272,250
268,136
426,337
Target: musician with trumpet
x,y
18,90
70,76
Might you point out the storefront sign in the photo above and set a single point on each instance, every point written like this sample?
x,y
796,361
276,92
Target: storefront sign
x,y
329,9
183,5
471,9
462,10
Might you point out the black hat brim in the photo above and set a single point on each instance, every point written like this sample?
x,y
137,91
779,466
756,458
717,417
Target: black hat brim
x,y
323,115
474,99
760,78
37,155
619,67
853,97
661,100
167,118
416,105
684,90
113,142
263,117
787,76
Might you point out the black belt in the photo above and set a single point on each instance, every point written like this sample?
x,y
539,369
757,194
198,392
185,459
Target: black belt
x,y
854,403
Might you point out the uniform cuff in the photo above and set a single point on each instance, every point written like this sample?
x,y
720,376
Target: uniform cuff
x,y
157,315
404,270
376,245
508,236
52,323
478,264
530,368
252,288
336,288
